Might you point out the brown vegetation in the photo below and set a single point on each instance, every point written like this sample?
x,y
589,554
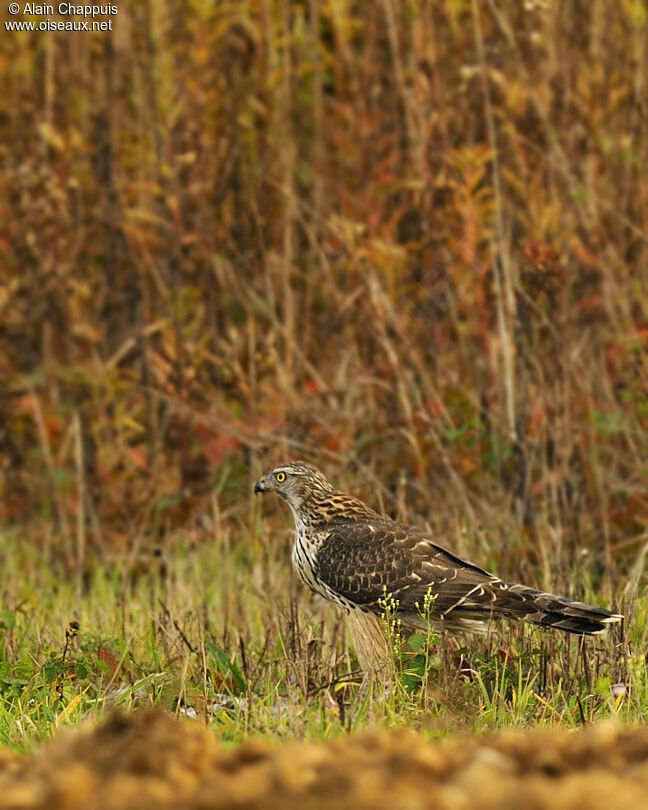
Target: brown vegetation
x,y
404,240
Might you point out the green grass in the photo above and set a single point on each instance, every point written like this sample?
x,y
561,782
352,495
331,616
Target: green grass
x,y
220,630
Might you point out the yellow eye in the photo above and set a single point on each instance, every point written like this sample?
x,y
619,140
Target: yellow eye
x,y
281,477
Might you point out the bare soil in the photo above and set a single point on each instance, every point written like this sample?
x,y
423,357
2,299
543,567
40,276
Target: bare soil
x,y
151,760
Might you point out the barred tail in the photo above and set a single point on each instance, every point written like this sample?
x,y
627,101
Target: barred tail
x,y
549,610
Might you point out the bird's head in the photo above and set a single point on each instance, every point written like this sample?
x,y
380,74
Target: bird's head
x,y
295,482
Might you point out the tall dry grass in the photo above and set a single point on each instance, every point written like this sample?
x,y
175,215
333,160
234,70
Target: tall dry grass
x,y
406,241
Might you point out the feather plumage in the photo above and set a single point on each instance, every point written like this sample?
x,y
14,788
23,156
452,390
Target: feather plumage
x,y
354,556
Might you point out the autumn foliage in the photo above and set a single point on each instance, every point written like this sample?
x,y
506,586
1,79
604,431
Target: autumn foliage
x,y
404,240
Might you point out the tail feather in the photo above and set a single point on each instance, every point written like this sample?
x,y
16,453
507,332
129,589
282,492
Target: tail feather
x,y
550,610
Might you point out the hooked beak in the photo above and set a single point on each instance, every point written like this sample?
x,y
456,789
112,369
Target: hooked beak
x,y
261,485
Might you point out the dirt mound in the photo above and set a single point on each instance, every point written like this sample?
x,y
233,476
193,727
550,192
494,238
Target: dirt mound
x,y
152,760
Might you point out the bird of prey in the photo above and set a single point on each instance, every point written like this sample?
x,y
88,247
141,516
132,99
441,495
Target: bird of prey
x,y
354,557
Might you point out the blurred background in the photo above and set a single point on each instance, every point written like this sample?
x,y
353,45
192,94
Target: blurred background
x,y
405,241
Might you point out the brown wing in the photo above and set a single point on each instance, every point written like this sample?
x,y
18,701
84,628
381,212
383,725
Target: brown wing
x,y
363,561
360,561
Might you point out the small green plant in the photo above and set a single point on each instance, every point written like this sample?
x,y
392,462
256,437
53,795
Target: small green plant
x,y
419,662
390,619
415,659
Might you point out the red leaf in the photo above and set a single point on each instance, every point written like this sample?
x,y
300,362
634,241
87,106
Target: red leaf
x,y
137,457
108,659
216,449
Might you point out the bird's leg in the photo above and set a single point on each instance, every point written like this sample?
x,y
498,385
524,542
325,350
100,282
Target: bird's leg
x,y
372,647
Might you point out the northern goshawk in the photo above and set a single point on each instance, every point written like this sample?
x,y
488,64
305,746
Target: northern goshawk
x,y
355,556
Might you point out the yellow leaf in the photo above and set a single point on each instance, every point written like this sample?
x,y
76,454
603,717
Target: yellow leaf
x,y
67,711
